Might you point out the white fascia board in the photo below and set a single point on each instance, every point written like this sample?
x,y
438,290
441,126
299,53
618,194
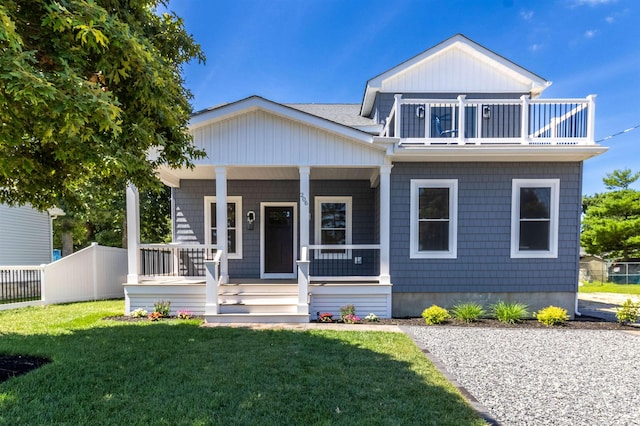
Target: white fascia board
x,y
498,154
163,173
255,102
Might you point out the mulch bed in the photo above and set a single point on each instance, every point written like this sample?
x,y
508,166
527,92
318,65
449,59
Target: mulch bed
x,y
15,365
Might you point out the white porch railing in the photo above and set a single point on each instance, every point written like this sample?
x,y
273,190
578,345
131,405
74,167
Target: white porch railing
x,y
174,260
492,121
344,262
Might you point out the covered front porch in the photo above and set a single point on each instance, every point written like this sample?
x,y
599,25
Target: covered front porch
x,y
268,257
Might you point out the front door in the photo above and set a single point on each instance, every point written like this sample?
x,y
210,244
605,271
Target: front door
x,y
278,240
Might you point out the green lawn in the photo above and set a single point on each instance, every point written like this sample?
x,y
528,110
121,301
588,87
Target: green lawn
x,y
175,372
600,287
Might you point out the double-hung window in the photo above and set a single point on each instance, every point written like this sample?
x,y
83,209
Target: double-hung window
x,y
234,224
434,217
333,225
534,218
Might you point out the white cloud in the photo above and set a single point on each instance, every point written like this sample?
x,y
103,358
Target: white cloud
x,y
610,19
535,47
526,14
590,33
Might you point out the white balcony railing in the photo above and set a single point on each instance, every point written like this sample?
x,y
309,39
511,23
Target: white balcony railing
x,y
464,121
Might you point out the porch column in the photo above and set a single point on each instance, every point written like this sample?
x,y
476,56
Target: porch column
x,y
133,233
385,223
221,221
305,218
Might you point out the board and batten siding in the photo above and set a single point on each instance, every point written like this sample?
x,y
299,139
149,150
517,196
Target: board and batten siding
x,y
266,139
189,212
25,236
483,262
455,71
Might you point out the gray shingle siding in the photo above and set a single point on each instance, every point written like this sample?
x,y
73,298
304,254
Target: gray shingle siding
x,y
189,212
483,262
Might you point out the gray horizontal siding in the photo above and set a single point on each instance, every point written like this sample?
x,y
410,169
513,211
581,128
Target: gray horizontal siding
x,y
25,236
483,262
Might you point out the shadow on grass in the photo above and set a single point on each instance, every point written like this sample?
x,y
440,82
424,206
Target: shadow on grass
x,y
177,373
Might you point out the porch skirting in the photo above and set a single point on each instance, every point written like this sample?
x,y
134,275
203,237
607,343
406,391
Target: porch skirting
x,y
412,304
323,297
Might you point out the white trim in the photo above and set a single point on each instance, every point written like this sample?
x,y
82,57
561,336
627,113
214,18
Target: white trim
x,y
237,200
452,253
294,272
554,212
318,201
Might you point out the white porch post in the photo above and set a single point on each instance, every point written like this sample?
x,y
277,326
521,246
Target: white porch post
x,y
304,206
221,221
385,223
133,233
591,120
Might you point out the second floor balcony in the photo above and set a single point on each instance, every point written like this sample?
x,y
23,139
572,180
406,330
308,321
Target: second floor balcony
x,y
464,121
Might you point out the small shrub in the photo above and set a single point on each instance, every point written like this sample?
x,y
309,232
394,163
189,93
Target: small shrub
x,y
371,317
351,319
347,310
325,317
628,312
138,313
552,315
185,314
162,308
435,315
467,312
509,313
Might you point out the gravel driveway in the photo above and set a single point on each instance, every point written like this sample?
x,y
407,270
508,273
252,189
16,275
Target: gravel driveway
x,y
543,376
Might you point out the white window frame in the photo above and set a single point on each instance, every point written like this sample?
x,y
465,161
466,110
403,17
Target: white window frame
x,y
318,201
416,185
237,200
554,212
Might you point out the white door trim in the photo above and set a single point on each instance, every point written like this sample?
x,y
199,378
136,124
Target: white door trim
x,y
294,272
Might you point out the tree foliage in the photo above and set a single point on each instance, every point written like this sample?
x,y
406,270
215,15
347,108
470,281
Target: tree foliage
x,y
611,223
88,88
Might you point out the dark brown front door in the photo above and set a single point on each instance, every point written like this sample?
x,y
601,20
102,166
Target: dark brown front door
x,y
278,239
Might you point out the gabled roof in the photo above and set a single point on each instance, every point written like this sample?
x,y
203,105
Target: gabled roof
x,y
525,79
225,111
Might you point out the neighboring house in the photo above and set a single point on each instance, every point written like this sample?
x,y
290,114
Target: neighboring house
x,y
592,267
451,182
25,236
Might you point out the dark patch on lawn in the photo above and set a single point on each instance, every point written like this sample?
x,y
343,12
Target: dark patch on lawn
x,y
15,365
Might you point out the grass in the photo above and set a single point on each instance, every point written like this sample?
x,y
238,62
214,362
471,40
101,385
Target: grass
x,y
175,372
600,287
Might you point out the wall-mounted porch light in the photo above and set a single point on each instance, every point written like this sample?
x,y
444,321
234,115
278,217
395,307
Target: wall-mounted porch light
x,y
420,112
486,111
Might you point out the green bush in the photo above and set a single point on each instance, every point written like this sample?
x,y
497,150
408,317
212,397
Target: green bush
x,y
509,313
163,308
435,315
467,312
628,312
552,315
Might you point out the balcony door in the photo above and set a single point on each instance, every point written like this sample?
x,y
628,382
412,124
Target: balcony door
x,y
278,229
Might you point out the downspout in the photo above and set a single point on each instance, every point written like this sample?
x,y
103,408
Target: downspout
x,y
576,308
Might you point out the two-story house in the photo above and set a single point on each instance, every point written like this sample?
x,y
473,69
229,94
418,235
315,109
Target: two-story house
x,y
452,181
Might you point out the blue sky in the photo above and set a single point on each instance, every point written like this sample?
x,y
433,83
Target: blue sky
x,y
324,51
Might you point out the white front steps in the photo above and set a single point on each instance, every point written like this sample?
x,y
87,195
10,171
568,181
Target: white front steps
x,y
258,303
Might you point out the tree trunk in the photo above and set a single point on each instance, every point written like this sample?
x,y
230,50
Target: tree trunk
x,y
125,241
67,243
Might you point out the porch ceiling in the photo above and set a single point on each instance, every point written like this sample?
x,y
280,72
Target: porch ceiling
x,y
172,177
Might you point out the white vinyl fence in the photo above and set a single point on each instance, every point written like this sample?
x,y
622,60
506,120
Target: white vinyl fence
x,y
95,272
